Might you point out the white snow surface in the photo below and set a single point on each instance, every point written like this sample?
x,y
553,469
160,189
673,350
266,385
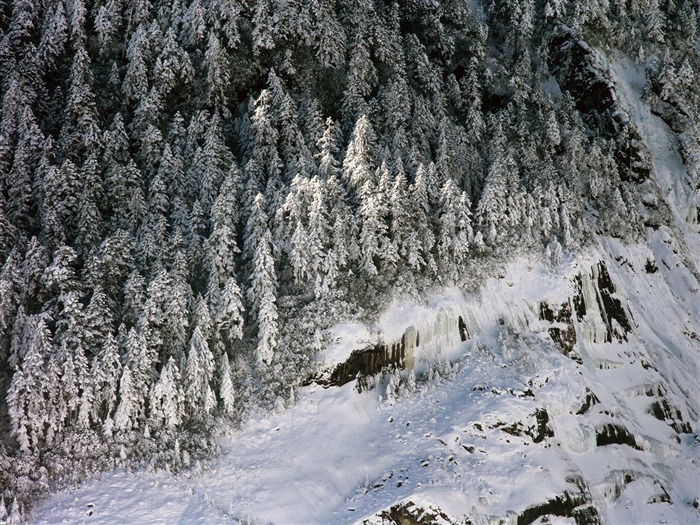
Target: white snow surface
x,y
339,456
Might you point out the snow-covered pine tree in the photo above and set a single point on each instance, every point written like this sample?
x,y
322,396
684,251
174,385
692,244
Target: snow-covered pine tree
x,y
264,161
492,214
166,399
198,373
454,231
226,390
15,516
421,215
358,163
262,291
130,403
106,370
30,388
218,71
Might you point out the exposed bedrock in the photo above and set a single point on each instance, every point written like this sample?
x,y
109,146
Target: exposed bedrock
x,y
580,73
594,313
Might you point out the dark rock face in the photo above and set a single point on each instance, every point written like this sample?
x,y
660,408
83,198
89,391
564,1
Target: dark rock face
x,y
381,357
537,432
589,400
579,73
366,362
570,504
543,430
370,361
409,513
651,267
612,434
611,307
574,64
615,317
463,331
565,338
663,411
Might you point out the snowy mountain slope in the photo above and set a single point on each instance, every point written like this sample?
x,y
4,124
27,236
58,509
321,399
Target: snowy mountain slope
x,y
575,396
618,442
566,393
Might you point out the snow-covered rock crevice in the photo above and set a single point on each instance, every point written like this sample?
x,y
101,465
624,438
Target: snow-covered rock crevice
x,y
669,171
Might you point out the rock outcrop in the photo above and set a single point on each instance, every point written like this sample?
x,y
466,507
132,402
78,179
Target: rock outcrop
x,y
581,73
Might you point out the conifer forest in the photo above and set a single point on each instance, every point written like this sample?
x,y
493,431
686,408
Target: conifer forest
x,y
193,192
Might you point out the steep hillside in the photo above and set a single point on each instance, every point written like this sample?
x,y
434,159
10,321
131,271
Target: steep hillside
x,y
573,397
216,210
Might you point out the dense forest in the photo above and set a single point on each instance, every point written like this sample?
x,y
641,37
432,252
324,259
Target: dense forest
x,y
192,192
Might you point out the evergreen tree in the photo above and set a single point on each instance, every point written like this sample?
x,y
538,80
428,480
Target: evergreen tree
x,y
126,415
135,84
29,161
198,374
201,318
81,132
7,231
15,516
454,234
10,294
420,210
403,235
375,244
222,248
29,390
362,78
329,38
62,188
472,91
139,371
319,233
492,213
90,223
264,163
97,322
106,370
172,66
262,291
107,24
229,14
175,308
218,68
358,163
172,172
226,392
166,397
